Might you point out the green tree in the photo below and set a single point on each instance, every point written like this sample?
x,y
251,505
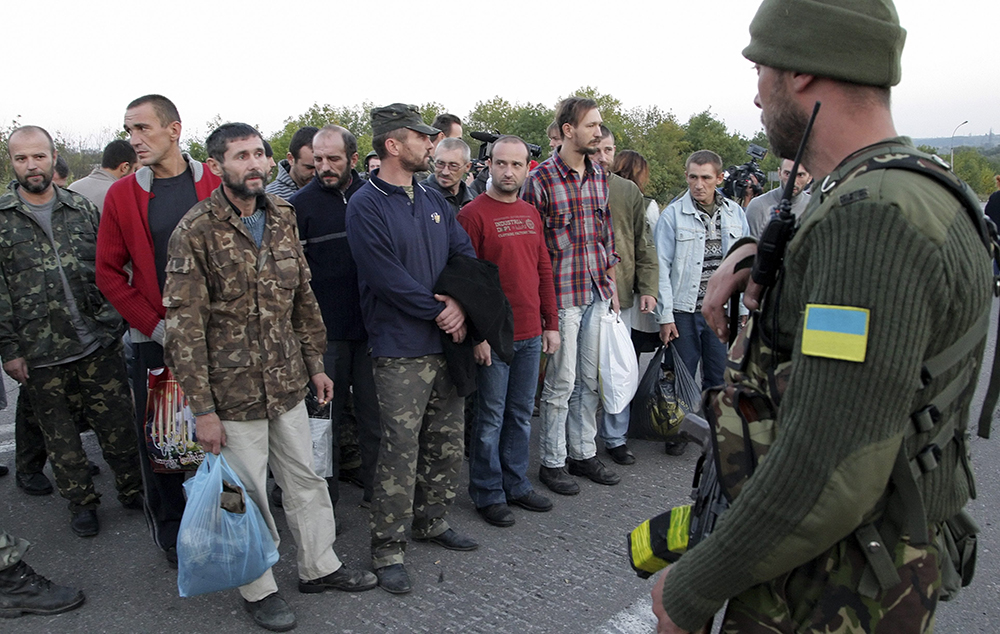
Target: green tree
x,y
976,170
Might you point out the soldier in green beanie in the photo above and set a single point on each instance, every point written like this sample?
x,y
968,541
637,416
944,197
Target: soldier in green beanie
x,y
867,348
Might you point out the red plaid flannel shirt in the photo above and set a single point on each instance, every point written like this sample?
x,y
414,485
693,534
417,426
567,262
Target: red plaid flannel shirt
x,y
578,230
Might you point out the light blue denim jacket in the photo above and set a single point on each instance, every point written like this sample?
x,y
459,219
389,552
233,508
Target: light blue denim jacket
x,y
680,247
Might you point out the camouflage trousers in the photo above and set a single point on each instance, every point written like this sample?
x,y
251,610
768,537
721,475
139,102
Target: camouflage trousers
x,y
419,455
94,389
11,549
821,596
30,453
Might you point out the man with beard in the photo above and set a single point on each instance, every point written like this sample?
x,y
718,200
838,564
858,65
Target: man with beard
x,y
635,273
402,234
570,192
321,211
61,339
761,208
140,212
508,232
244,336
872,338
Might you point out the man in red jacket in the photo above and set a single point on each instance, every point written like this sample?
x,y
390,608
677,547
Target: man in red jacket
x,y
140,213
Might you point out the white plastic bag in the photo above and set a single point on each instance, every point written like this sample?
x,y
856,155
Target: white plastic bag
x,y
618,370
321,428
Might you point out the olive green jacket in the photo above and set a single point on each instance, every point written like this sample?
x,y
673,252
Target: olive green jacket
x,y
35,321
639,270
243,329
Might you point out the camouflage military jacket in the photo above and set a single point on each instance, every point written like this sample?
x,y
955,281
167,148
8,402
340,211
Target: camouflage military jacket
x,y
35,321
243,329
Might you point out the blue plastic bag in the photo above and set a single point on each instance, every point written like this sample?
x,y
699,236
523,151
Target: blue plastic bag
x,y
218,549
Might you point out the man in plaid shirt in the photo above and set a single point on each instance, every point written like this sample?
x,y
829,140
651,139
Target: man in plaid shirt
x,y
570,192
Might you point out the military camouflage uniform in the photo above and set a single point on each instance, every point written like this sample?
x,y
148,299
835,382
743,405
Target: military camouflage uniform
x,y
67,379
420,455
243,336
12,549
825,428
244,332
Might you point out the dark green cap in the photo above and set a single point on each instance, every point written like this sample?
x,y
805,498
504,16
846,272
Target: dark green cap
x,y
858,41
399,115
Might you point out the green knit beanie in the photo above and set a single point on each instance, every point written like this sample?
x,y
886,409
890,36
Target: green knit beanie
x,y
858,41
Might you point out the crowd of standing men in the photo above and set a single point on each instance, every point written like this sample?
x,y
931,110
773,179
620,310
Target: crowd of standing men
x,y
406,300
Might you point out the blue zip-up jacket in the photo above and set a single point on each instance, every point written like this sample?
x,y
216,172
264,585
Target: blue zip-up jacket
x,y
400,248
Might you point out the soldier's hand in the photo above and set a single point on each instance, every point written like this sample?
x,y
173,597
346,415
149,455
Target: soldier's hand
x,y
664,625
458,336
324,387
17,369
550,341
451,317
211,433
721,286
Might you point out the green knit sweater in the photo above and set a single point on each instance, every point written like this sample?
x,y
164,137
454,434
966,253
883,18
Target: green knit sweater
x,y
900,245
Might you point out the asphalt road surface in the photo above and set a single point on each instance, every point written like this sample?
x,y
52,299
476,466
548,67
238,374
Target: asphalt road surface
x,y
563,571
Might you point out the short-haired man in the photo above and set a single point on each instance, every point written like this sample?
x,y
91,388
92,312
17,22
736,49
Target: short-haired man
x,y
402,234
692,236
761,208
140,212
61,340
570,192
867,349
450,127
452,160
60,177
372,163
554,135
321,212
296,169
244,337
636,272
508,232
118,161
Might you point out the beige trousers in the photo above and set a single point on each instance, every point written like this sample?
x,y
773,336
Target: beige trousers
x,y
286,443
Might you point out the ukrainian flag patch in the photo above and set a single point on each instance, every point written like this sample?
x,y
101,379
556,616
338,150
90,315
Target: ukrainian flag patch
x,y
835,332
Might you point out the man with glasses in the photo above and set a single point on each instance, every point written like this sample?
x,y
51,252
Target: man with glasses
x,y
452,160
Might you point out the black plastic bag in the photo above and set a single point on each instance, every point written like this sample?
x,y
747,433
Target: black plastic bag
x,y
667,392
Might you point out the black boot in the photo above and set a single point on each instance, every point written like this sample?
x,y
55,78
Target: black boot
x,y
24,591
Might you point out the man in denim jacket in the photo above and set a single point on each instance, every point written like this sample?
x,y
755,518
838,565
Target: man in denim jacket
x,y
692,236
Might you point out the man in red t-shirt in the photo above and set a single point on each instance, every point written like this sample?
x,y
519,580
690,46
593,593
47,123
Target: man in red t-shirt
x,y
508,232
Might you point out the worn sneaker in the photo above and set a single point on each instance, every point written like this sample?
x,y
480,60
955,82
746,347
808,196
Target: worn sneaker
x,y
621,454
532,501
675,447
594,469
344,578
394,579
271,613
557,480
24,591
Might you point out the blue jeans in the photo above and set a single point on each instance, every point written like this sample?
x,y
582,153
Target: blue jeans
x,y
696,342
498,455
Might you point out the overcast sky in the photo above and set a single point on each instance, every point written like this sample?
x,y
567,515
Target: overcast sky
x,y
73,66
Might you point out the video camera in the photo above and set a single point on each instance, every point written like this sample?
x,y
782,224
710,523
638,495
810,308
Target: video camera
x,y
748,175
486,147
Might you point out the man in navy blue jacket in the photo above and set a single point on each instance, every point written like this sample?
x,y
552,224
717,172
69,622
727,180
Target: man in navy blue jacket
x,y
321,210
402,234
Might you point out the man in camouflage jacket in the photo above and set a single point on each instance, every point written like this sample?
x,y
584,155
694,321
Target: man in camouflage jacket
x,y
244,336
58,335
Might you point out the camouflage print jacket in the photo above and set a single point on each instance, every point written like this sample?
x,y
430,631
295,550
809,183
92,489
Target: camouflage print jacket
x,y
35,321
243,329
